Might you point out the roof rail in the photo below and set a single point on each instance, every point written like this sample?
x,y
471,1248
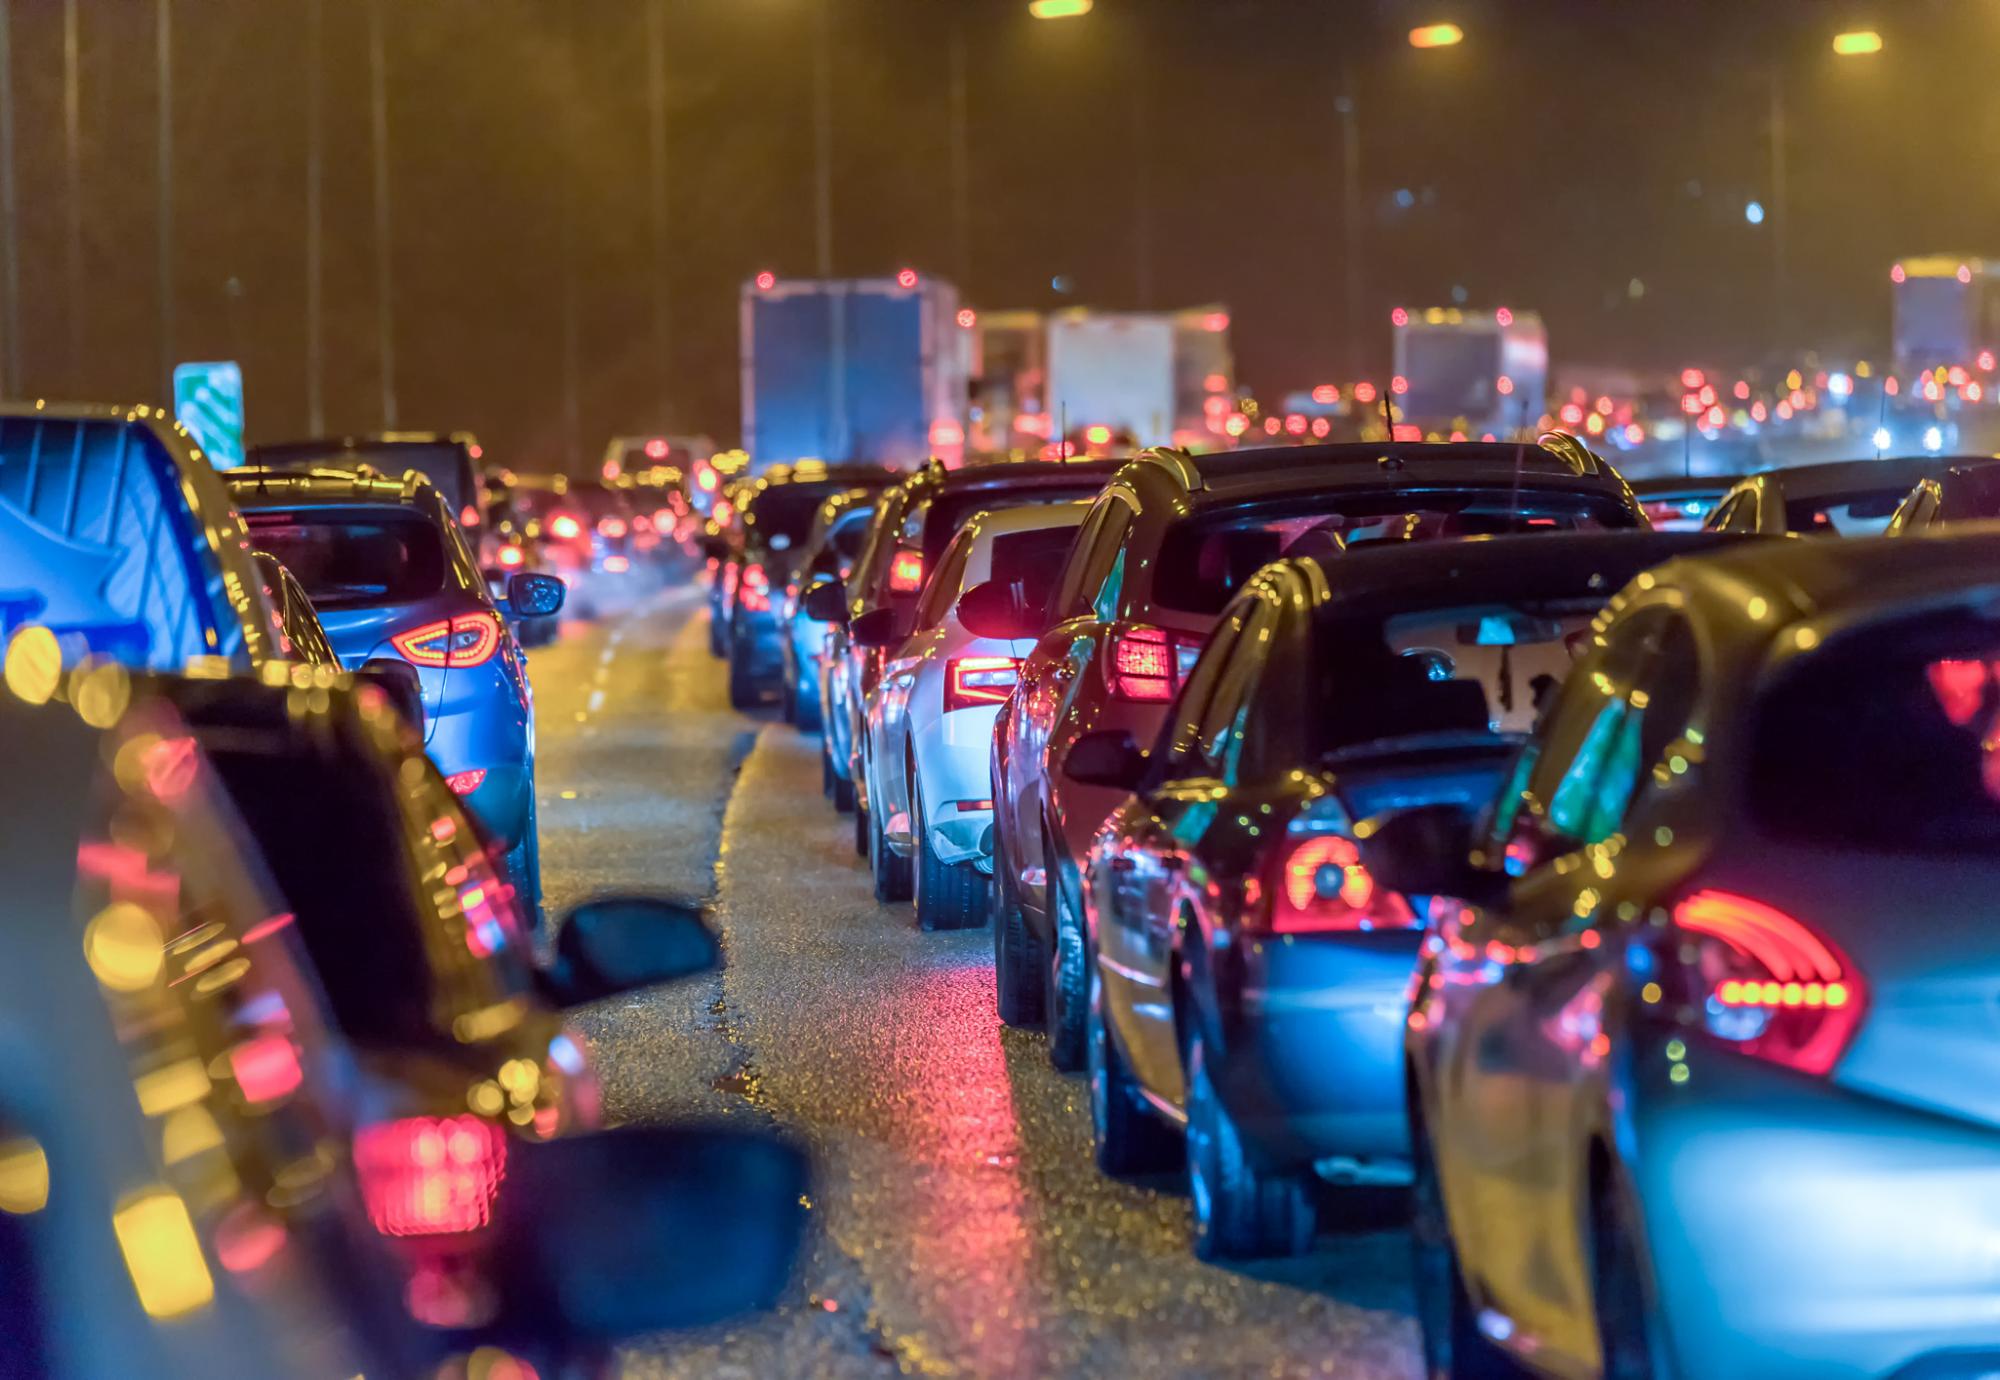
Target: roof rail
x,y
1175,459
1571,452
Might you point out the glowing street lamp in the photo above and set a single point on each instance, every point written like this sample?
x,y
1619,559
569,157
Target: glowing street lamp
x,y
1059,9
1436,36
1859,43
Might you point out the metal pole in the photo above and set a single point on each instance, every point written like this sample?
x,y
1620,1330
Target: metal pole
x,y
164,56
315,153
656,129
385,322
1350,196
961,157
10,223
1780,215
73,189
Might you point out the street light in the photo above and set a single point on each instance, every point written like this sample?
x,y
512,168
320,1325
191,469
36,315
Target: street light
x,y
1059,9
1859,43
1436,36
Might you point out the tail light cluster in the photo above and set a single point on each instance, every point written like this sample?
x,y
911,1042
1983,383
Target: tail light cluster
x,y
511,557
977,680
565,526
612,527
906,572
1322,888
1147,663
467,781
430,1176
755,588
1766,983
467,640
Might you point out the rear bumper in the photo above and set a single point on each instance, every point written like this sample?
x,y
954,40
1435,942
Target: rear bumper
x,y
757,643
954,757
1799,1229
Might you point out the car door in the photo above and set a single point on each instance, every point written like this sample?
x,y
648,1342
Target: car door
x,y
889,703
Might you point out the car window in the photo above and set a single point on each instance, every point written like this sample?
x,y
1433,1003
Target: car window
x,y
1069,600
1226,722
1179,746
1728,514
1863,513
1914,513
349,559
300,635
941,591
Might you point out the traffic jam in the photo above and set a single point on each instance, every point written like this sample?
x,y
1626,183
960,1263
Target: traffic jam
x,y
1017,850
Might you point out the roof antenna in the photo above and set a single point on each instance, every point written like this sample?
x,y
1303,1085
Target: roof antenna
x,y
1062,432
1389,411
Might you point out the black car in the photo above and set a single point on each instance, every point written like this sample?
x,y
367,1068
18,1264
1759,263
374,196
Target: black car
x,y
1841,498
1966,490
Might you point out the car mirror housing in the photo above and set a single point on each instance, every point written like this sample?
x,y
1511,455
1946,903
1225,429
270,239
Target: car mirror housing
x,y
876,628
1106,757
825,602
620,943
399,682
1426,851
998,609
531,594
616,1233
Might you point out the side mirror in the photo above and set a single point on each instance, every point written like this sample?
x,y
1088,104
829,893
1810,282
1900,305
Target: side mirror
x,y
1426,851
876,628
998,609
825,602
1106,757
399,681
531,594
616,1233
619,943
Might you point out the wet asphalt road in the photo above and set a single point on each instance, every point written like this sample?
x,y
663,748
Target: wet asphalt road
x,y
959,1226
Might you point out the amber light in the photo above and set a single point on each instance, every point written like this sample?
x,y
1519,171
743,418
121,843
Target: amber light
x,y
565,526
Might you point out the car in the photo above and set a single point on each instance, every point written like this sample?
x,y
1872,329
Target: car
x,y
1249,977
450,460
1965,490
391,576
1840,498
839,529
1172,539
930,717
1676,503
1697,1047
202,1176
773,520
913,524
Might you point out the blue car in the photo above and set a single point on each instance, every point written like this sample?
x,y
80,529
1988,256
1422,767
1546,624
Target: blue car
x,y
392,577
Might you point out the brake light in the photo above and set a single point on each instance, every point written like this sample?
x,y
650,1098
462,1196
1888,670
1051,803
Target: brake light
x,y
467,781
617,565
756,588
906,573
510,556
1323,888
467,640
565,526
1769,985
611,527
430,1176
468,516
1142,665
976,680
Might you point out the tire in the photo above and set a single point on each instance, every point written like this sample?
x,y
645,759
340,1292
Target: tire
x,y
804,710
1066,1000
843,794
1240,1212
1453,1346
826,777
743,691
862,833
949,896
1130,1140
893,875
1627,1321
1020,968
524,871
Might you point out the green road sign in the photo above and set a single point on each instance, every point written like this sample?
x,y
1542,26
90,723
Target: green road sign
x,y
208,401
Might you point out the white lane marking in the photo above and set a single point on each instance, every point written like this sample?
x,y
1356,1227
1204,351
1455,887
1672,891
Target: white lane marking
x,y
596,700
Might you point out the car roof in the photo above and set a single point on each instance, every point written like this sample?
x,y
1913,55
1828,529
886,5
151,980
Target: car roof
x,y
1381,578
1014,474
1236,475
376,440
1677,486
1849,476
1029,517
261,487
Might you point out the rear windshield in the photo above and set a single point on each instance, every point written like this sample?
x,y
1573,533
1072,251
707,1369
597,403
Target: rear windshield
x,y
781,516
949,511
1886,742
1864,514
850,534
1206,559
354,560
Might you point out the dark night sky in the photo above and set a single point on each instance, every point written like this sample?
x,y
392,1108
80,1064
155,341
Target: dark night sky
x,y
1565,149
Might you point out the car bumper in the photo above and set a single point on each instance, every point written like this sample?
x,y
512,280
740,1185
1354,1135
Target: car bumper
x,y
757,641
1312,1066
1798,1228
954,754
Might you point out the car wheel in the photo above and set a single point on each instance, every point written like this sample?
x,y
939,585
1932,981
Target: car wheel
x,y
862,832
1240,1212
826,777
524,871
1129,1138
892,873
1626,1327
950,896
1066,1008
1453,1346
743,692
1020,968
805,710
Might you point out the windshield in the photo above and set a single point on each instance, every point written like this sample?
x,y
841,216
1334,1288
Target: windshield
x,y
1863,514
351,560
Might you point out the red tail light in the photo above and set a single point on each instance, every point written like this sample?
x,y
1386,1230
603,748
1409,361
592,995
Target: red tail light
x,y
617,565
756,588
906,573
429,1176
1768,984
611,527
467,640
1323,888
1142,665
466,782
468,516
510,557
976,680
565,526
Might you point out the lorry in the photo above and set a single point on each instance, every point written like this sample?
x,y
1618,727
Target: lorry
x,y
1481,373
867,370
1946,310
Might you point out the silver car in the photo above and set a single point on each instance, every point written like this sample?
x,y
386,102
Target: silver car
x,y
1704,1045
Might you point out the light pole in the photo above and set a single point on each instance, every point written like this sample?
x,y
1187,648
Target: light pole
x,y
656,166
385,282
